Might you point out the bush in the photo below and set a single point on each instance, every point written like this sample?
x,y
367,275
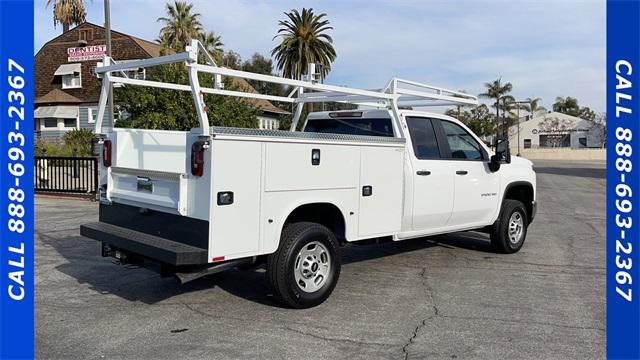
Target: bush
x,y
80,141
48,148
154,108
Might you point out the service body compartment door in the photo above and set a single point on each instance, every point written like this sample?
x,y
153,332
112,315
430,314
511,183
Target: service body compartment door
x,y
235,226
296,167
381,182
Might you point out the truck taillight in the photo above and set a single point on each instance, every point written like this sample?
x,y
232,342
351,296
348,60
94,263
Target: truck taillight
x,y
106,153
197,157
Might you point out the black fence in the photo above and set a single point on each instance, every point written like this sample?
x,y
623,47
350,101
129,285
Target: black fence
x,y
58,174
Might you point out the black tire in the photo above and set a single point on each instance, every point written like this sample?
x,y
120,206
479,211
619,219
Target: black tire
x,y
501,239
281,265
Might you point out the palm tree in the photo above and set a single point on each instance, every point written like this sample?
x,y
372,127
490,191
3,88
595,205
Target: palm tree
x,y
568,105
534,105
67,12
498,91
304,42
180,25
213,44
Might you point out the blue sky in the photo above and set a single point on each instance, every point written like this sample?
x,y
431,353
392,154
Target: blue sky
x,y
545,48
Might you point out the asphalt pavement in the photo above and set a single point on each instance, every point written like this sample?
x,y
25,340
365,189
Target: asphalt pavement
x,y
446,297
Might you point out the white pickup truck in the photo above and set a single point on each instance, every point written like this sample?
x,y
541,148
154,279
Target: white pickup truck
x,y
215,198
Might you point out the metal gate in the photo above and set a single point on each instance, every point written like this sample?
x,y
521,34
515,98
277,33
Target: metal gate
x,y
60,174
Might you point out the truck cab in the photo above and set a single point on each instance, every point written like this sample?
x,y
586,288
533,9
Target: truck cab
x,y
451,182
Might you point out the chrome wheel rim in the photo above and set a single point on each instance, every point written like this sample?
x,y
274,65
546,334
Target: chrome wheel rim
x,y
516,227
312,267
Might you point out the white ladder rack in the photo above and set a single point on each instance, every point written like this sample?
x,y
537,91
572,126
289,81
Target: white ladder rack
x,y
397,92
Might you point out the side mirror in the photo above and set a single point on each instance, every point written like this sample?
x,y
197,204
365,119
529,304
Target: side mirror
x,y
494,164
502,150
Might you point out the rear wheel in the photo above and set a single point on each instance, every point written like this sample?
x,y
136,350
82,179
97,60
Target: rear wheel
x,y
304,270
509,232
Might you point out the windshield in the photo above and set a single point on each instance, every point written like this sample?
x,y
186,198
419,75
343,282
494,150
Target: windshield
x,y
369,127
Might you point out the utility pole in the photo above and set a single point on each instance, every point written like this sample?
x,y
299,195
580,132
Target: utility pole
x,y
518,110
107,28
518,121
495,141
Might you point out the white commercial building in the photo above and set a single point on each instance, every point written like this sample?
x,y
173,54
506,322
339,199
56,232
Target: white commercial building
x,y
555,130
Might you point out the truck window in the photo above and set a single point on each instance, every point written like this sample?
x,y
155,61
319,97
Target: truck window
x,y
369,127
461,143
423,138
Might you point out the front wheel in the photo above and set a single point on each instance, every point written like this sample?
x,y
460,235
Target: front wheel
x,y
304,270
510,230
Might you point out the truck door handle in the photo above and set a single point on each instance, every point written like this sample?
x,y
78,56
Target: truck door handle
x,y
423,172
462,172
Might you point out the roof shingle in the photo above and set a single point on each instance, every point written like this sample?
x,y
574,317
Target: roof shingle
x,y
57,96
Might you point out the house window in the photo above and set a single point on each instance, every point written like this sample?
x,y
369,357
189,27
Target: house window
x,y
70,123
91,116
527,143
50,123
85,35
582,141
555,140
71,81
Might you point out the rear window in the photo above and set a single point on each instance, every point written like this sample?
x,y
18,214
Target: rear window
x,y
369,127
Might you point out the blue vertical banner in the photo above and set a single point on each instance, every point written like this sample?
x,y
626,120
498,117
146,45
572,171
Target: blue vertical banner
x,y
16,179
623,180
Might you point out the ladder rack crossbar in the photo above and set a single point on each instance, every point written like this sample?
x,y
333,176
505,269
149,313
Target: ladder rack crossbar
x,y
180,87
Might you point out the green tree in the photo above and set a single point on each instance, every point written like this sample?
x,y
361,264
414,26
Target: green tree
x,y
180,25
232,60
213,44
479,119
259,64
67,12
568,105
79,141
599,125
534,106
153,108
499,91
304,41
587,114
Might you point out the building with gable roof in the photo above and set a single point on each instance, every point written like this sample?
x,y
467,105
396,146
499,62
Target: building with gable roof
x,y
67,92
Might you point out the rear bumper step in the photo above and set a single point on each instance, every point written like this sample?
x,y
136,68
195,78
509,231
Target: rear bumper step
x,y
193,274
149,246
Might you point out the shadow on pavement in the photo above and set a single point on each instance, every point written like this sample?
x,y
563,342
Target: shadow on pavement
x,y
103,275
598,173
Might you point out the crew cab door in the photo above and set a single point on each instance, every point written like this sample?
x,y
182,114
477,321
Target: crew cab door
x,y
476,187
433,180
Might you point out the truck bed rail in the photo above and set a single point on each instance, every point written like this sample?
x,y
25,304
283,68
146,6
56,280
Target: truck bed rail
x,y
305,135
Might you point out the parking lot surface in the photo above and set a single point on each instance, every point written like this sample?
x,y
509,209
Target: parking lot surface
x,y
446,297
